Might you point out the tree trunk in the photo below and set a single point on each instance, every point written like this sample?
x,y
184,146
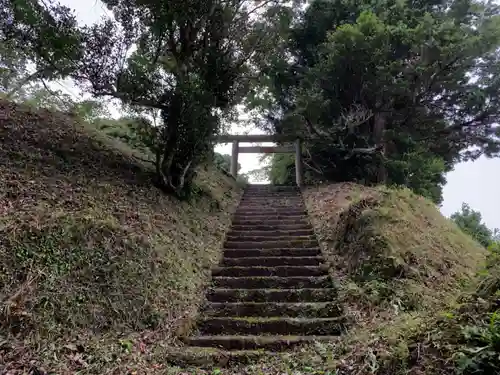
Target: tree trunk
x,y
379,124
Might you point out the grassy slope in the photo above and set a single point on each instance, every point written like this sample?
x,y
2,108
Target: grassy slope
x,y
98,269
399,266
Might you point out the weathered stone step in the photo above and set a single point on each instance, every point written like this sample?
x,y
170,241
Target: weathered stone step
x,y
272,282
276,202
271,192
273,326
263,213
272,187
279,227
265,195
272,261
289,195
285,252
274,309
302,244
273,198
270,233
272,203
271,343
292,211
259,223
271,216
254,238
207,357
282,271
272,295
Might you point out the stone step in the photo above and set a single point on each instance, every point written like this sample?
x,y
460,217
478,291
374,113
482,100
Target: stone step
x,y
265,195
271,343
278,202
295,195
207,357
274,309
300,244
273,198
267,211
264,213
273,190
272,295
272,261
259,223
279,227
272,282
271,187
273,326
285,252
272,203
265,217
255,238
282,271
270,233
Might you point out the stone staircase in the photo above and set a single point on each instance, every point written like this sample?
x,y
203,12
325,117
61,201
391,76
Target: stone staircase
x,y
271,290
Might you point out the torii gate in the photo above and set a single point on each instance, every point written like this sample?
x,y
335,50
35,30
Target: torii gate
x,y
236,139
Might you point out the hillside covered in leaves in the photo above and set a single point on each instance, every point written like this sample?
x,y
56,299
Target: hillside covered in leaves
x,y
94,259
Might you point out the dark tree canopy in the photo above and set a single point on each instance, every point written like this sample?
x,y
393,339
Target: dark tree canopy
x,y
414,83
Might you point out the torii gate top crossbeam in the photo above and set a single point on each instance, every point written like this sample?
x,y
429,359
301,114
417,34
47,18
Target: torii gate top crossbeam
x,y
227,138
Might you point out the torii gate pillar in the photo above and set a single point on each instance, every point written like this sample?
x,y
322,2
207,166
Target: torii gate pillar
x,y
234,159
298,163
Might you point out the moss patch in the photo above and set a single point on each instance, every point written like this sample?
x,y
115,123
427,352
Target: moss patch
x,y
391,248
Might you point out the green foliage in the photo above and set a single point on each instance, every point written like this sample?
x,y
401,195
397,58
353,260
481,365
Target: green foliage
x,y
480,356
223,162
135,131
470,221
385,88
188,61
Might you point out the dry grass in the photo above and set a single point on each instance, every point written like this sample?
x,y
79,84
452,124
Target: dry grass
x,y
98,270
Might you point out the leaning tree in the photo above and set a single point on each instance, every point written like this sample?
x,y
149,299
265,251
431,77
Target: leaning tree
x,y
189,59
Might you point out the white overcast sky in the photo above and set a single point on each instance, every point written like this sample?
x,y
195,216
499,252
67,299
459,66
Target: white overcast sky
x,y
477,183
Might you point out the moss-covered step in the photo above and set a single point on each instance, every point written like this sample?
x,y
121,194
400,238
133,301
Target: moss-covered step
x,y
274,309
271,326
272,282
276,227
270,343
270,221
282,271
272,261
272,233
210,357
250,211
252,237
271,244
272,295
285,252
268,216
